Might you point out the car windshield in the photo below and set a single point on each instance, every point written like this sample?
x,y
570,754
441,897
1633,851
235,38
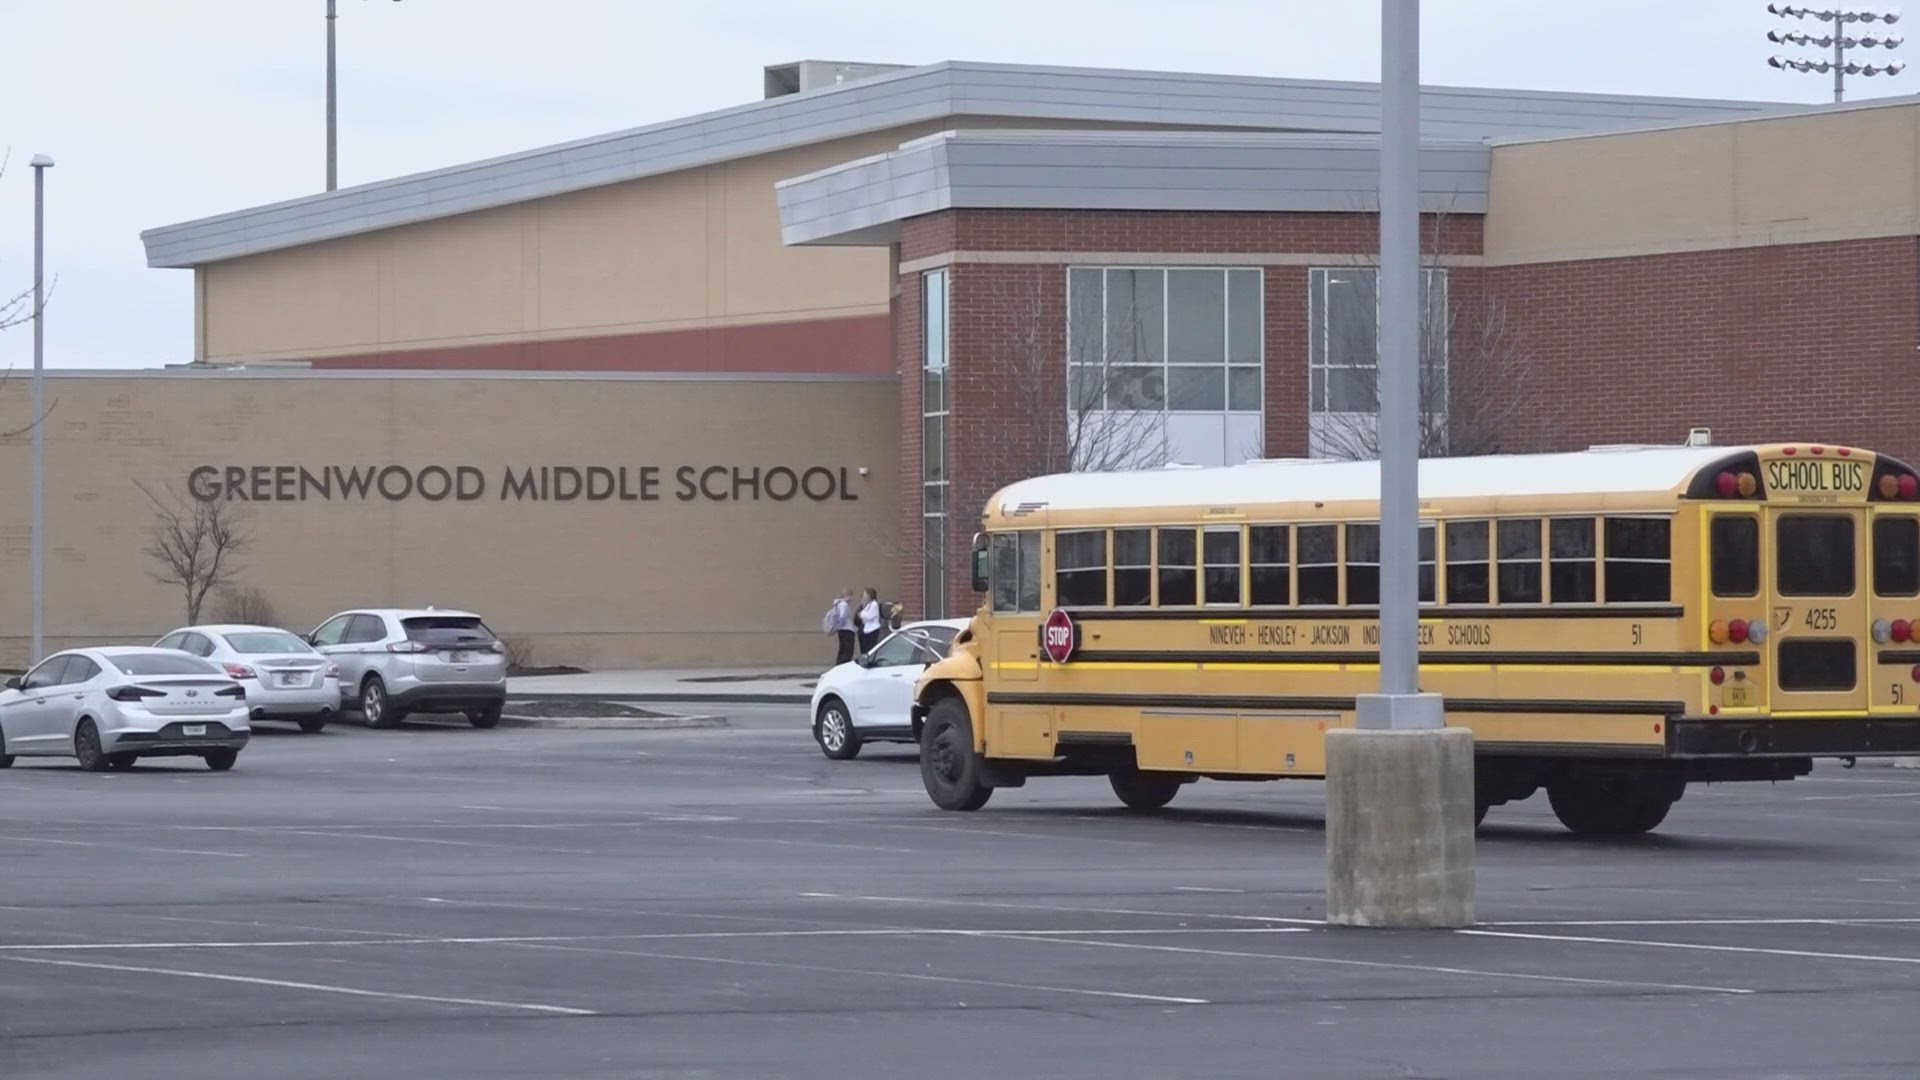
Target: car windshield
x,y
257,642
163,664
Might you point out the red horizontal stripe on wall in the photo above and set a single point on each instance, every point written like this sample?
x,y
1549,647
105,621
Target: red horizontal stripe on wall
x,y
861,345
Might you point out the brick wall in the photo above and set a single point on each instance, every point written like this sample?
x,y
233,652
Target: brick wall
x,y
1806,341
1793,342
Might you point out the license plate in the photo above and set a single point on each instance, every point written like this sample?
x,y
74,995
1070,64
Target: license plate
x,y
1739,697
195,729
292,678
457,658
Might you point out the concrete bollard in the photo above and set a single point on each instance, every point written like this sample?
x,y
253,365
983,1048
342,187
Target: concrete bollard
x,y
1400,827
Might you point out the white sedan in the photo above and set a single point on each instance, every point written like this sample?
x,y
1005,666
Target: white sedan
x,y
111,707
286,679
871,699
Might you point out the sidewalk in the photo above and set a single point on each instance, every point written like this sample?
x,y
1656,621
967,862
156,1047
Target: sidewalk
x,y
768,684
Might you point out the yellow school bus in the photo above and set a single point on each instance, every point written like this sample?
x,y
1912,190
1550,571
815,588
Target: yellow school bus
x,y
1612,624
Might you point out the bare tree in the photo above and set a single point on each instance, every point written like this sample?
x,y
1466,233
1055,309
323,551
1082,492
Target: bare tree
x,y
1105,415
1477,379
194,544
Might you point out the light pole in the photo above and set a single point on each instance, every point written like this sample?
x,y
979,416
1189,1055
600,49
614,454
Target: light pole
x,y
1400,796
333,109
38,551
1838,41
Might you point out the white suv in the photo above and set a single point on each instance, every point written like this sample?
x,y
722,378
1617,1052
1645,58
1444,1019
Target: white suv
x,y
395,661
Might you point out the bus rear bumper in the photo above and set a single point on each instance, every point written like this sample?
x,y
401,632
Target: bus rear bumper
x,y
1834,736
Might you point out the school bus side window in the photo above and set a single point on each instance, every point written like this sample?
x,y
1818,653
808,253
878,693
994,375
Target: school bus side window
x,y
1178,573
1572,561
1004,562
1080,568
1015,561
1517,545
1467,581
1319,563
1029,571
1639,560
1132,567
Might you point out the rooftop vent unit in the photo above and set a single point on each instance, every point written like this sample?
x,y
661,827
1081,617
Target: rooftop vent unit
x,y
798,78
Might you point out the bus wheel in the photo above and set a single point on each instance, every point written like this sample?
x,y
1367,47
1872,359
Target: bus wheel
x,y
1145,790
949,767
1591,811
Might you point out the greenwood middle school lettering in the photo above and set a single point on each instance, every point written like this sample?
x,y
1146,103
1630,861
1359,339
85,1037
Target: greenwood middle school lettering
x,y
529,483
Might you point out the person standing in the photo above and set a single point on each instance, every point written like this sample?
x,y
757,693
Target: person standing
x,y
839,623
871,621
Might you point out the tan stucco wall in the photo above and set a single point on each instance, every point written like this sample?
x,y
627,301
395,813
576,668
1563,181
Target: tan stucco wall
x,y
599,584
690,249
1835,175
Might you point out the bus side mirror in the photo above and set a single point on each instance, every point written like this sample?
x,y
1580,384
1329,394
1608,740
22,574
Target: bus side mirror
x,y
979,570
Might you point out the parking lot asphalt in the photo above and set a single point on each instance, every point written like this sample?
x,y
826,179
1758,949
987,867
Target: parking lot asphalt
x,y
440,902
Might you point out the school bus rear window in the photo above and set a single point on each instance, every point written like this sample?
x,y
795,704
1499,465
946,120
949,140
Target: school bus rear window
x,y
1896,556
1735,540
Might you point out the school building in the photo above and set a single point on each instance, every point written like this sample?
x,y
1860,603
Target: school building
x,y
907,286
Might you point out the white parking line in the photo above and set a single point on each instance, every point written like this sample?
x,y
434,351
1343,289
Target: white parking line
x,y
123,847
1203,888
1862,921
1805,953
1431,968
1120,995
677,935
1435,969
925,900
1841,798
318,987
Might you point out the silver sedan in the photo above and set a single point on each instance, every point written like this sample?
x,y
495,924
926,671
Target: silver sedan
x,y
111,707
285,678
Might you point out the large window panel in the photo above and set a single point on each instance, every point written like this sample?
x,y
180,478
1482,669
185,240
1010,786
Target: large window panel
x,y
1196,317
934,476
1165,344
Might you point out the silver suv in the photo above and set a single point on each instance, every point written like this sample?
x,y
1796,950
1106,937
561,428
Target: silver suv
x,y
395,661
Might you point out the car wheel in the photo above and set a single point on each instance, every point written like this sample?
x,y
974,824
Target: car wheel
x,y
380,712
313,725
122,762
86,747
222,760
949,767
833,730
484,718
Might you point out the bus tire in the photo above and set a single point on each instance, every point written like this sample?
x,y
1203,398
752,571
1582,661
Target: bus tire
x,y
1145,790
1589,811
952,771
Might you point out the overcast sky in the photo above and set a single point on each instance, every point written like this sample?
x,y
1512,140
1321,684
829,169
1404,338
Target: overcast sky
x,y
159,111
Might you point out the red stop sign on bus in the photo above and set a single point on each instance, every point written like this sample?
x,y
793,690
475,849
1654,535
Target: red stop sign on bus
x,y
1057,636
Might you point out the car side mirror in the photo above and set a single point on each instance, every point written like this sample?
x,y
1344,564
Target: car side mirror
x,y
863,660
13,683
980,570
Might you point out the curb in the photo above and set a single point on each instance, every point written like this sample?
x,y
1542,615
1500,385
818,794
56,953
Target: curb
x,y
650,698
613,723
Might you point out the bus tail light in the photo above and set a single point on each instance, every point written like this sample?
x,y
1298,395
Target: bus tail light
x,y
1733,485
1909,487
1902,630
1882,631
1916,673
1717,632
1718,675
1737,631
1757,631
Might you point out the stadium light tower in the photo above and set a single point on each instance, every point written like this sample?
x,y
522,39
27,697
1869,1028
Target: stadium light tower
x,y
1838,39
